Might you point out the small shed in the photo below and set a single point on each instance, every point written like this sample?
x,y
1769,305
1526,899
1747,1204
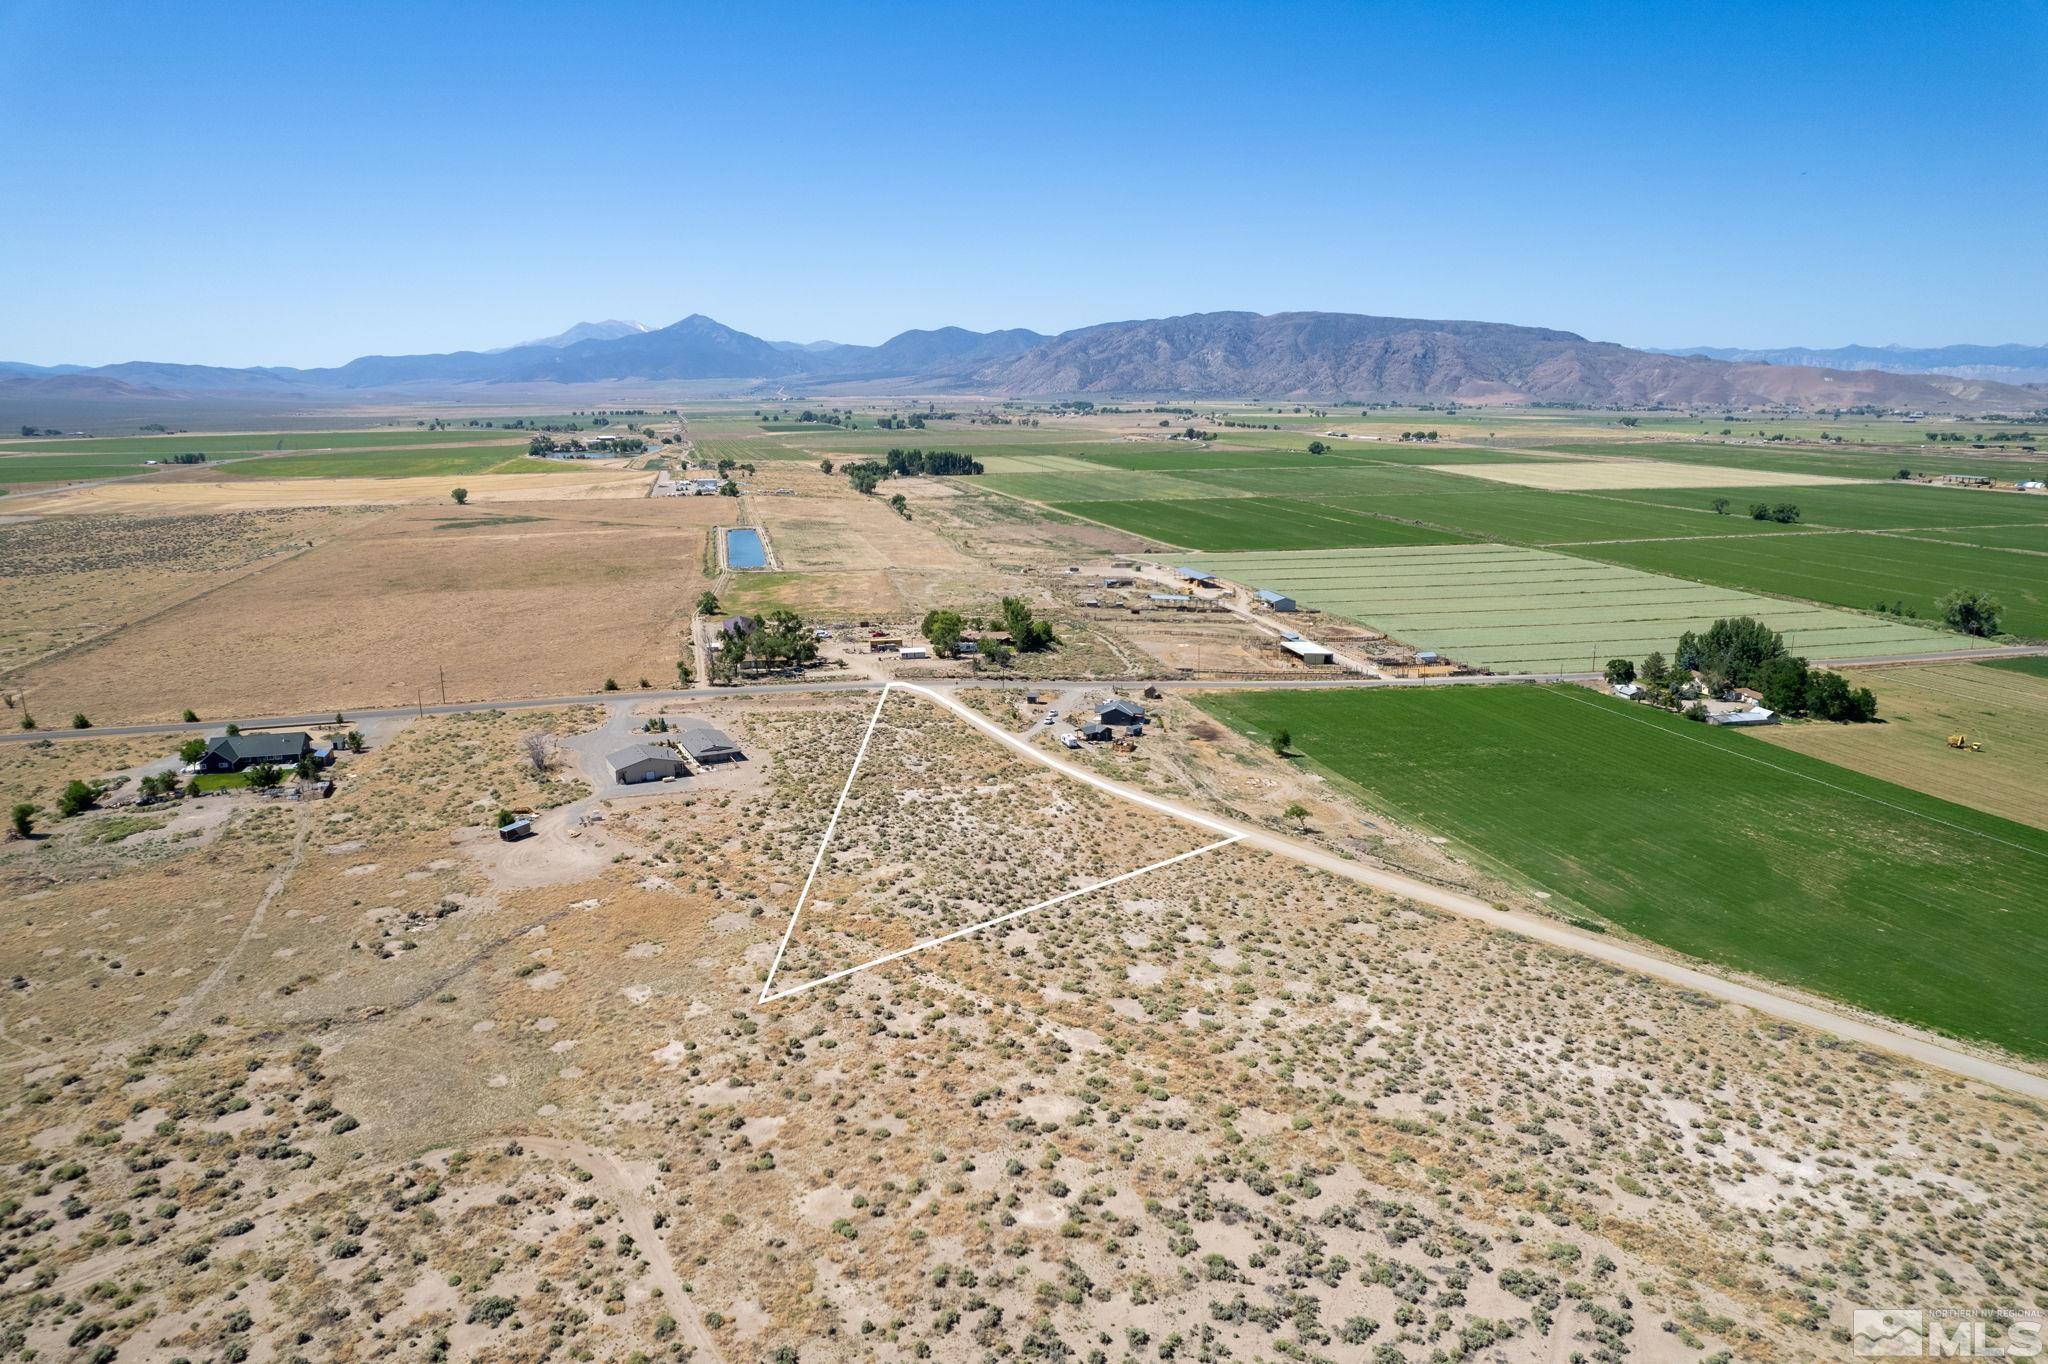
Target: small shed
x,y
645,762
516,830
1274,601
1096,733
707,744
1308,651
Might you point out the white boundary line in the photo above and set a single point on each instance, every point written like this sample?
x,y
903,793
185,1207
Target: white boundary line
x,y
803,897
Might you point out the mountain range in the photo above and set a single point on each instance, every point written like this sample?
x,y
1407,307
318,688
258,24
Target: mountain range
x,y
1291,356
2006,364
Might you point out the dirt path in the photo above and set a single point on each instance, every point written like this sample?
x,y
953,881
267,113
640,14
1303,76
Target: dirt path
x,y
1915,1046
616,1183
177,1017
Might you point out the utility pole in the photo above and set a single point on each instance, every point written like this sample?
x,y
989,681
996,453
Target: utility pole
x,y
444,683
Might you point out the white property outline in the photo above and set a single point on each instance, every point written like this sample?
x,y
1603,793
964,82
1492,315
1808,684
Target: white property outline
x,y
832,825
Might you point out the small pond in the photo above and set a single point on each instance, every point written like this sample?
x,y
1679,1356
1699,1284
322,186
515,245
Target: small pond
x,y
743,548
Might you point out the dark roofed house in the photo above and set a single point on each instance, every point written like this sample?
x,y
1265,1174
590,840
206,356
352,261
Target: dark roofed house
x,y
1120,712
706,744
234,752
645,762
1096,733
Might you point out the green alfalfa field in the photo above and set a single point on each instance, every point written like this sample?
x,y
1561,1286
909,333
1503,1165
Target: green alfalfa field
x,y
1703,840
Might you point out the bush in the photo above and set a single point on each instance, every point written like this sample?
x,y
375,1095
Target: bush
x,y
80,722
1971,612
77,798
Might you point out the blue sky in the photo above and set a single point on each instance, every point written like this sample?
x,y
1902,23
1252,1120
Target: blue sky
x,y
300,184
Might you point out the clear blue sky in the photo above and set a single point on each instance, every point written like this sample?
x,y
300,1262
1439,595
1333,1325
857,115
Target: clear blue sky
x,y
299,184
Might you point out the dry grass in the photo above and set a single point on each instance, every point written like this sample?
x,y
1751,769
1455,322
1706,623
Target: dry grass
x,y
1587,475
168,496
551,599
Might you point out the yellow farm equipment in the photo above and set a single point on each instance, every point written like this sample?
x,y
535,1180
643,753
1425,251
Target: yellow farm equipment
x,y
1963,741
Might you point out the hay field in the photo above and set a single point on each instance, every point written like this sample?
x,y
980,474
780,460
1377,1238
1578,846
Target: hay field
x,y
546,599
2005,710
573,482
1595,475
1526,610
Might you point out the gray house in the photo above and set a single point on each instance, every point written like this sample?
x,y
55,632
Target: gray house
x,y
645,762
1120,712
234,752
707,745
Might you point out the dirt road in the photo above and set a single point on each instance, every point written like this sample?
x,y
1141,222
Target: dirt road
x,y
1915,1046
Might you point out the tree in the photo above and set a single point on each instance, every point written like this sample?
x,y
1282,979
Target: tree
x,y
685,674
900,505
461,496
1733,650
943,629
995,653
1783,683
191,716
1720,506
506,817
611,684
191,751
1620,672
1970,611
80,722
354,741
76,798
264,776
540,752
728,489
1283,739
1298,813
824,466
1316,447
707,604
1655,670
24,819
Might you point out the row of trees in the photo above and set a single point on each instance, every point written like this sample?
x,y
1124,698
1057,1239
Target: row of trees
x,y
779,640
940,463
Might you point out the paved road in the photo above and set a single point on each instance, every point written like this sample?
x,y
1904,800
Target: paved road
x,y
947,684
1916,1046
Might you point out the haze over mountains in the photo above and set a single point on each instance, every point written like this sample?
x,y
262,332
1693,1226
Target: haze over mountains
x,y
1296,356
2007,364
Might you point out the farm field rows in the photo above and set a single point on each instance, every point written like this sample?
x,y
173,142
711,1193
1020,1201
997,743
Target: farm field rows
x,y
1839,462
1231,523
248,442
471,459
2004,710
1874,506
1767,861
1855,570
1513,609
1597,475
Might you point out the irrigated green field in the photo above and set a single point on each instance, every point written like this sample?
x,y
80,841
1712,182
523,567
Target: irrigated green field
x,y
1837,461
1878,506
1512,609
1857,570
1230,523
1706,841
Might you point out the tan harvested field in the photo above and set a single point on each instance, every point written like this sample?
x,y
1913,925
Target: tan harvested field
x,y
524,599
222,494
1921,707
320,1064
1593,475
74,579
